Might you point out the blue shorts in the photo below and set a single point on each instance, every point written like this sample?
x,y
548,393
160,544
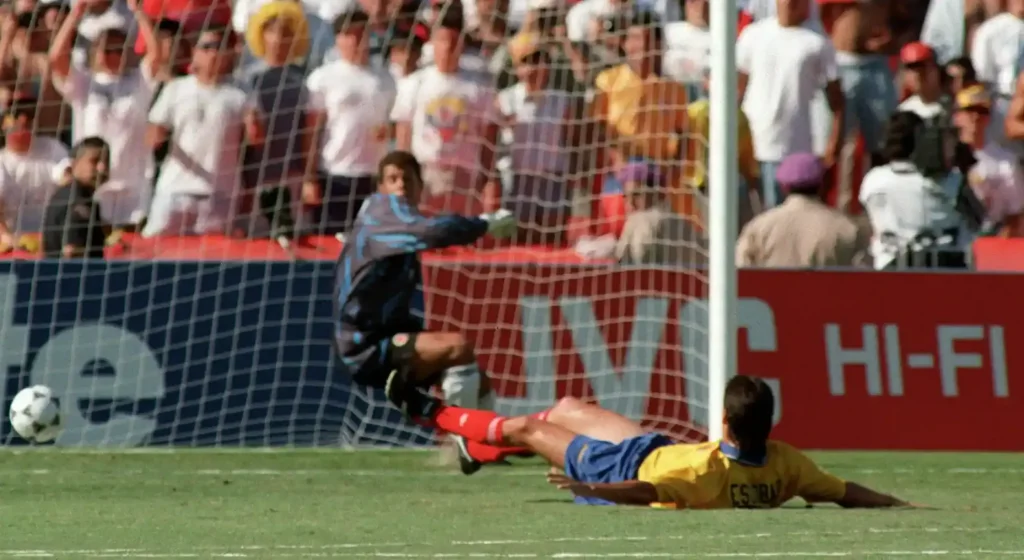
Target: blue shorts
x,y
593,460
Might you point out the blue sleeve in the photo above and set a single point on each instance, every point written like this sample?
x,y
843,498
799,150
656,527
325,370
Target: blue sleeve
x,y
390,226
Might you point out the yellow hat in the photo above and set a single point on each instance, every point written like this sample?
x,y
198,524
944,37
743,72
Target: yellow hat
x,y
973,97
292,13
523,45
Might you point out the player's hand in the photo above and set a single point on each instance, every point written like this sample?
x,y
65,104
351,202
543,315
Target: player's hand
x,y
500,224
562,482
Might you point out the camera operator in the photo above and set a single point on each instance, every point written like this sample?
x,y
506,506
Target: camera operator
x,y
922,212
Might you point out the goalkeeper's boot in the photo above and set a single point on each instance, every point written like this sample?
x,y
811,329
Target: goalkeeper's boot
x,y
467,464
414,403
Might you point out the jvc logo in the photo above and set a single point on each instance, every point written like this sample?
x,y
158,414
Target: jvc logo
x,y
62,361
625,390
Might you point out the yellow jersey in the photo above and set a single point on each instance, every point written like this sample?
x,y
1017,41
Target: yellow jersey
x,y
708,475
699,113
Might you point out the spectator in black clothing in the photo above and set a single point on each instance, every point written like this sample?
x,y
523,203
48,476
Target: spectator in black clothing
x,y
73,226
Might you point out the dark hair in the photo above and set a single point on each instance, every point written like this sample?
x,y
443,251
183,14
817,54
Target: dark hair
x,y
168,26
402,160
348,19
970,75
901,136
650,21
749,407
89,143
451,17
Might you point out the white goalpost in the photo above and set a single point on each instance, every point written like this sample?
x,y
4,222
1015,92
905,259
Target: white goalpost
x,y
722,275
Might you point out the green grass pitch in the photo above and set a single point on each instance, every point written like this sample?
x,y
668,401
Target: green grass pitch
x,y
396,504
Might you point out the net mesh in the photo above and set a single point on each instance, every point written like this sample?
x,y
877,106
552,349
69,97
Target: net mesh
x,y
225,338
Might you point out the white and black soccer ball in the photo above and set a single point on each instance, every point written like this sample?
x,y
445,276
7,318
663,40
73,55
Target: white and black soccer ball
x,y
35,414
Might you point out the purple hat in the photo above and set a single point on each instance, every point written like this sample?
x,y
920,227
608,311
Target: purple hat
x,y
800,170
639,172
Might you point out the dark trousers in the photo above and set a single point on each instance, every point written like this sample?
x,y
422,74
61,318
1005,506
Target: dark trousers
x,y
343,196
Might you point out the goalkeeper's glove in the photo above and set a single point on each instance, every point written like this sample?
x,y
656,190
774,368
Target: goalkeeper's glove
x,y
500,224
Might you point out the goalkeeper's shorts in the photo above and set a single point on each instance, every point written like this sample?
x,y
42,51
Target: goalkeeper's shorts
x,y
370,361
593,460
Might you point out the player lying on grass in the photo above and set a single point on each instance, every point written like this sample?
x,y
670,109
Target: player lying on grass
x,y
379,331
609,459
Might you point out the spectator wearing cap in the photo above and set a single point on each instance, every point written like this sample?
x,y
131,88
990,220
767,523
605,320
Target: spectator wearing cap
x,y
315,42
997,53
803,232
24,41
350,105
922,77
204,117
782,68
915,219
655,235
100,17
545,24
688,47
274,160
996,177
641,115
540,132
27,178
448,119
111,101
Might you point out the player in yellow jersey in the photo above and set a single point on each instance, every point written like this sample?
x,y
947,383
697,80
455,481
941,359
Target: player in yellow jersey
x,y
609,459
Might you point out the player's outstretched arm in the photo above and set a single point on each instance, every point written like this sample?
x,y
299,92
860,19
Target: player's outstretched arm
x,y
858,496
630,492
399,226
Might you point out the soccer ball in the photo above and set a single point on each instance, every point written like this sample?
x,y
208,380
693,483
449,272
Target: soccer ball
x,y
35,414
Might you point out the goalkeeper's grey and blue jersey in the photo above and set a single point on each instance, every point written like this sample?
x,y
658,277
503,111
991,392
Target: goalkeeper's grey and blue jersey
x,y
378,279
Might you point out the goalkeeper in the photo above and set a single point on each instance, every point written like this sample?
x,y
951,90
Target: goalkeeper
x,y
609,459
379,337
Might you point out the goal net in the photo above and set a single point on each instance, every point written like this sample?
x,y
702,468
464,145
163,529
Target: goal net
x,y
225,339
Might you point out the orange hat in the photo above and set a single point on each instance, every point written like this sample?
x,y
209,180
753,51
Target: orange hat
x,y
916,52
973,97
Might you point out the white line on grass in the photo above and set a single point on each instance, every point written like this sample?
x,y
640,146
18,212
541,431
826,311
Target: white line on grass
x,y
474,548
677,554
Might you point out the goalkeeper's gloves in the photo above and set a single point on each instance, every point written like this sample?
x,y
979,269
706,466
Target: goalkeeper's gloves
x,y
500,224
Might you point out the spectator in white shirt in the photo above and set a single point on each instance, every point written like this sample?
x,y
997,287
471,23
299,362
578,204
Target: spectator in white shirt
x,y
111,101
350,106
447,119
583,22
996,177
203,117
914,218
27,174
996,54
782,67
688,48
542,122
923,78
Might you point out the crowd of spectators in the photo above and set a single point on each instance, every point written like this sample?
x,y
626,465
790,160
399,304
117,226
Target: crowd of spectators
x,y
587,118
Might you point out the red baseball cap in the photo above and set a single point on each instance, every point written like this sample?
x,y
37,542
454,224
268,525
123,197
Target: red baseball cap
x,y
916,52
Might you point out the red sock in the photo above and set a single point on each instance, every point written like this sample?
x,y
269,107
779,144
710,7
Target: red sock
x,y
481,426
491,453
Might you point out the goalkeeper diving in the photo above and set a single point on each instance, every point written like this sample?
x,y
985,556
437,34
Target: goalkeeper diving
x,y
609,459
379,337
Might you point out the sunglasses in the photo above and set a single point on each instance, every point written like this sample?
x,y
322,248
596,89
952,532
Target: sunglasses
x,y
214,45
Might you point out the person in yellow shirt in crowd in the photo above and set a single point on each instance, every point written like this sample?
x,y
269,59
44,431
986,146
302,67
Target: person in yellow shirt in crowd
x,y
608,459
641,115
699,117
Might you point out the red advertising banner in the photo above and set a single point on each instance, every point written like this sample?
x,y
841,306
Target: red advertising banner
x,y
859,360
